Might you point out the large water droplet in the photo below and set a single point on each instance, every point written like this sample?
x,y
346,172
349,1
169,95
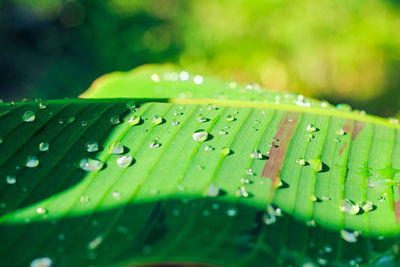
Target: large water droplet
x,y
116,148
311,128
200,135
44,146
41,211
348,206
301,162
92,146
11,179
349,236
89,165
124,161
134,120
316,164
28,116
225,151
366,205
155,77
41,262
32,162
157,120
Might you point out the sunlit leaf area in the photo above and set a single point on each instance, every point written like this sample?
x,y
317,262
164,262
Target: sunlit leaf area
x,y
199,133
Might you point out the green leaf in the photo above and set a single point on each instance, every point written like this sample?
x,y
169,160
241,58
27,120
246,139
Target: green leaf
x,y
236,197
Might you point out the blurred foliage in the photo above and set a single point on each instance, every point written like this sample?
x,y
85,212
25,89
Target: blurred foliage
x,y
341,51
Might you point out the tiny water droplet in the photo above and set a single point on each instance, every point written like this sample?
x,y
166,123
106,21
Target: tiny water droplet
x,y
231,212
134,120
42,106
340,132
155,77
92,146
41,211
95,243
61,121
84,199
28,116
366,205
222,132
301,161
213,190
348,206
116,148
88,164
311,128
11,179
124,161
155,144
256,154
200,136
41,262
316,164
230,118
116,195
32,162
44,146
84,123
270,214
183,76
242,192
201,119
244,180
115,120
349,236
249,172
71,120
225,151
174,123
157,120
208,148
198,79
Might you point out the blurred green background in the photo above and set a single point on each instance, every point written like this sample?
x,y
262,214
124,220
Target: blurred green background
x,y
342,51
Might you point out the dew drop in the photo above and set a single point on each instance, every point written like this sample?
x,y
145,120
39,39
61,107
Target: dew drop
x,y
311,128
208,148
28,116
200,136
71,120
340,132
316,164
84,199
116,148
225,151
301,162
41,211
270,214
349,236
231,212
348,206
92,146
155,77
213,190
42,106
41,262
124,161
256,154
249,172
155,144
366,206
44,146
222,132
183,76
95,243
230,118
134,120
89,165
84,123
116,195
157,120
174,123
11,179
198,79
242,192
115,120
32,162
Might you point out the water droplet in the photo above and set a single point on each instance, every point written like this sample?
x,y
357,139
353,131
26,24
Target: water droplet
x,y
41,211
311,128
116,148
231,212
116,195
349,236
311,223
115,120
225,151
134,120
184,76
61,121
42,106
155,77
124,161
155,144
366,205
242,192
92,146
301,161
11,179
44,146
340,132
230,118
348,206
222,132
208,148
244,180
270,214
157,120
84,123
28,116
316,164
256,154
71,120
174,123
198,79
95,243
41,262
1,140
89,165
32,162
200,136
84,199
213,190
249,172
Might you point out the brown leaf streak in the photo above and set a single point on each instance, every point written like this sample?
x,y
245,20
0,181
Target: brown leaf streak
x,y
348,129
342,148
359,126
284,133
396,208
